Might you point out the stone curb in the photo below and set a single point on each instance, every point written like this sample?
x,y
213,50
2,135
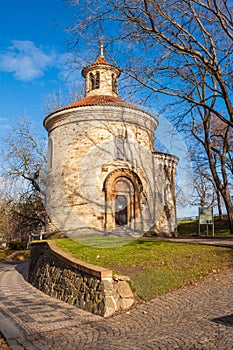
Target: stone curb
x,y
83,266
9,330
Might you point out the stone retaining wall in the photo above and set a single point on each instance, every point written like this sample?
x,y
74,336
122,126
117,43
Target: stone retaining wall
x,y
90,287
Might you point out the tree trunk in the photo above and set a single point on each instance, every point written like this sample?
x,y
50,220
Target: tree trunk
x,y
221,184
219,206
230,217
229,207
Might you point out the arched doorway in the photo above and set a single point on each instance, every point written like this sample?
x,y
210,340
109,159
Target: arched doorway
x,y
122,199
121,210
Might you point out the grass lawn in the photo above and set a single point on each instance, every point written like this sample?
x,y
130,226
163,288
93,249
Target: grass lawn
x,y
4,254
19,255
190,228
154,267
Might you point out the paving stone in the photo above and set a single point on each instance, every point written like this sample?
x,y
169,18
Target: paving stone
x,y
191,318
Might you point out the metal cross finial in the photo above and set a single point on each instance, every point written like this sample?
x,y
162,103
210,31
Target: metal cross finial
x,y
101,49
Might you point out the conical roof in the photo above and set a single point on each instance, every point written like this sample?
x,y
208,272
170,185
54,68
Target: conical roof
x,y
100,61
98,100
96,97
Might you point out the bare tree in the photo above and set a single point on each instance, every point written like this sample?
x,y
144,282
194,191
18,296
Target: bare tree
x,y
181,50
5,221
23,155
60,98
205,193
23,165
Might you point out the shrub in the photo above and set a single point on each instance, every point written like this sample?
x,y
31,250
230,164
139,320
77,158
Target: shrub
x,y
16,245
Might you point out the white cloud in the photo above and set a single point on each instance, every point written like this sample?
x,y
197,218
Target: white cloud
x,y
64,58
26,61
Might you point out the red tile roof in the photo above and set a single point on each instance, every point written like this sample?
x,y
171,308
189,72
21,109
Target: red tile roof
x,y
100,60
97,100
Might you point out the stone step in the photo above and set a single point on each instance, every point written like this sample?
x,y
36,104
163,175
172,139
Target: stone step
x,y
123,231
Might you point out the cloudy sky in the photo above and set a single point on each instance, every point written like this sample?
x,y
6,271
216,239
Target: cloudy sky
x,y
33,57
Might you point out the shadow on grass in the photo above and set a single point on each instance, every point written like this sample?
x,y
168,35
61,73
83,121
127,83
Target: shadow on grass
x,y
111,241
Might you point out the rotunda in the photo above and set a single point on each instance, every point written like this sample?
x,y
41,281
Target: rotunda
x,y
104,175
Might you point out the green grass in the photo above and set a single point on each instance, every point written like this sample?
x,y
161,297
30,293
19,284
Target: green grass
x,y
22,255
19,255
154,267
104,241
4,254
190,228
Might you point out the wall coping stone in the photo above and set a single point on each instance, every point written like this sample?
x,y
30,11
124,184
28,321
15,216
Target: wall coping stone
x,y
94,270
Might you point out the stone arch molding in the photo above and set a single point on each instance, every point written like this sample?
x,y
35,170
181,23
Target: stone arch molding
x,y
123,189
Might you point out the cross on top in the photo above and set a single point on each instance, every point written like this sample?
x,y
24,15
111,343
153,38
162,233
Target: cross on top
x,y
101,49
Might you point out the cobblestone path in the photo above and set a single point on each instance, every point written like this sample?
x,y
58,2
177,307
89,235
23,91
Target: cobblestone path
x,y
195,317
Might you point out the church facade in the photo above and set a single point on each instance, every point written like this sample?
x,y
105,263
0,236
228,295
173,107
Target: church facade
x,y
104,175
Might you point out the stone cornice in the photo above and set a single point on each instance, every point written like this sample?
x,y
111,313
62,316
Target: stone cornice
x,y
167,158
103,113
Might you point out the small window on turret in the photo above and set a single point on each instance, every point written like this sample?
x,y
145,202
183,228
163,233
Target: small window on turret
x,y
97,80
114,83
94,81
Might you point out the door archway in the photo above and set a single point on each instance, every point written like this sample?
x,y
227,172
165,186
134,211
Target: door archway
x,y
122,199
121,210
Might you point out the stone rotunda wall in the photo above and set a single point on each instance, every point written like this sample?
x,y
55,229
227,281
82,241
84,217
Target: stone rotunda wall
x,y
85,154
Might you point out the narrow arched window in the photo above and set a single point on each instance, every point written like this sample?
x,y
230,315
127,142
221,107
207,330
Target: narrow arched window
x,y
92,81
50,153
97,80
120,148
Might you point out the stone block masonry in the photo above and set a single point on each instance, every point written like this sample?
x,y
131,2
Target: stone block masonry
x,y
89,287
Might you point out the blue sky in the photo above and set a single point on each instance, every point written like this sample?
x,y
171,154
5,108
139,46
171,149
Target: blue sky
x,y
33,57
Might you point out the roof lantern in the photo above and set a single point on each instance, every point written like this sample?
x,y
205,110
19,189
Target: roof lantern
x,y
101,77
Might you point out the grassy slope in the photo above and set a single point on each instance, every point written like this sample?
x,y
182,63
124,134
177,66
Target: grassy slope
x,y
154,267
4,254
190,228
18,255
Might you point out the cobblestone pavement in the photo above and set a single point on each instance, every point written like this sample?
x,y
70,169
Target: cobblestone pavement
x,y
227,242
195,317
